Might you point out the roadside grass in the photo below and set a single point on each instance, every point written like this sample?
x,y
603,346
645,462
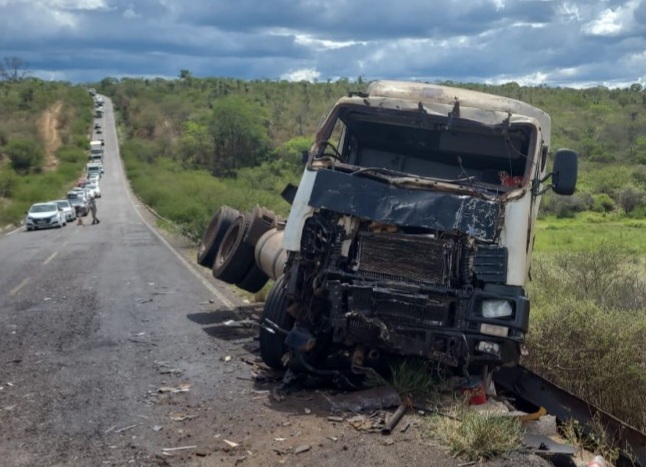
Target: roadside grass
x,y
191,197
476,436
596,440
590,230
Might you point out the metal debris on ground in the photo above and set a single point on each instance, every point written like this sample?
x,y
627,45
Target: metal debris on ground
x,y
382,397
231,443
392,422
184,387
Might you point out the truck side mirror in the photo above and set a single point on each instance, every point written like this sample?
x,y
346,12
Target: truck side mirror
x,y
564,173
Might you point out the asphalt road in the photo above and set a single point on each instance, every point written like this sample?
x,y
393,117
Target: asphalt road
x,y
87,313
115,351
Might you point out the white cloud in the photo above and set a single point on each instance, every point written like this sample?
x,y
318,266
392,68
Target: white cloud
x,y
611,22
130,13
323,44
305,74
569,12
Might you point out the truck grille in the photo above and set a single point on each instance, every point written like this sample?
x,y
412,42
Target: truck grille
x,y
408,258
401,310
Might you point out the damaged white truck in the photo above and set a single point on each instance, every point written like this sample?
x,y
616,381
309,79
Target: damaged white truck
x,y
410,233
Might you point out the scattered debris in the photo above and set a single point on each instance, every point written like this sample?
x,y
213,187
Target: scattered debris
x,y
184,387
226,358
157,427
125,428
302,448
390,425
307,411
231,443
335,419
378,398
180,448
180,417
137,341
361,423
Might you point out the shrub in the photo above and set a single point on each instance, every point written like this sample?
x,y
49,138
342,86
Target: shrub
x,y
25,155
630,198
603,203
8,183
588,326
71,154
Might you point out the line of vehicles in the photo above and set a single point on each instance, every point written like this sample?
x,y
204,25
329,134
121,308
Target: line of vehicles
x,y
57,213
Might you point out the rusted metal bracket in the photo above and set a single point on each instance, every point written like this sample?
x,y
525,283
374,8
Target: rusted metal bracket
x,y
563,405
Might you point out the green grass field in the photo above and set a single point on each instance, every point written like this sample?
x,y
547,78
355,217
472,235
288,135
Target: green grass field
x,y
589,230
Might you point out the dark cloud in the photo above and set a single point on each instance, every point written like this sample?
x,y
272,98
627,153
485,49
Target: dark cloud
x,y
478,40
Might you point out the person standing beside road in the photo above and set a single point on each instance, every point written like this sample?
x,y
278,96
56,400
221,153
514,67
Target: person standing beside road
x,y
95,220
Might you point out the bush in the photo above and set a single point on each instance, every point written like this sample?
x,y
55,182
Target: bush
x,y
588,326
603,203
630,198
8,183
71,155
25,155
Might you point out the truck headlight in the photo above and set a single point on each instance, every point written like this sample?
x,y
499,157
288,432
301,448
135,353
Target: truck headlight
x,y
496,308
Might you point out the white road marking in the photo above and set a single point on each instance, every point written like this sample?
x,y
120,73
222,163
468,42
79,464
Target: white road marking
x,y
51,257
17,288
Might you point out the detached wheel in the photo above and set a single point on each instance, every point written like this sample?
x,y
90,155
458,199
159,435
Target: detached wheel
x,y
213,235
272,344
234,258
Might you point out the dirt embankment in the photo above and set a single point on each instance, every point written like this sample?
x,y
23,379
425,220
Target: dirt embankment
x,y
48,125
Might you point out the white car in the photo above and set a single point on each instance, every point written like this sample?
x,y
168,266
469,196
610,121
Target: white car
x,y
45,215
68,209
96,189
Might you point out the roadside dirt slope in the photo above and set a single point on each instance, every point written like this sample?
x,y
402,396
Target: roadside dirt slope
x,y
48,127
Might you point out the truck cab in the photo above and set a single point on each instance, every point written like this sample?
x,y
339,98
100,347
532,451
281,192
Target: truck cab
x,y
412,229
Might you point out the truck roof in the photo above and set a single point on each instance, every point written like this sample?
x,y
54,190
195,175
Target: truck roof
x,y
428,93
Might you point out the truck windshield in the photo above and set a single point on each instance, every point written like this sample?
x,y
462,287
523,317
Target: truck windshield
x,y
399,144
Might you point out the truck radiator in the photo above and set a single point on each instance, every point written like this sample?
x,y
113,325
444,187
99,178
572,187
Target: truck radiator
x,y
400,310
407,258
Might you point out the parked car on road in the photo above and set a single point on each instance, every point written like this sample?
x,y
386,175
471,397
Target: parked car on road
x,y
45,215
96,189
68,209
78,199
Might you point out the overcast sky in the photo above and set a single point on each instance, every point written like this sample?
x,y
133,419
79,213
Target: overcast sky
x,y
576,43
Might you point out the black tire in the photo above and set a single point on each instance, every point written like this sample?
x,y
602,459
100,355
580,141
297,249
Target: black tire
x,y
254,280
234,258
272,345
213,235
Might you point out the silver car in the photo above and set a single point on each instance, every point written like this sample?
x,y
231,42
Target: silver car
x,y
68,209
45,215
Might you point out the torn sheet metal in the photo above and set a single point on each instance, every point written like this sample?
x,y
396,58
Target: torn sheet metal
x,y
380,202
